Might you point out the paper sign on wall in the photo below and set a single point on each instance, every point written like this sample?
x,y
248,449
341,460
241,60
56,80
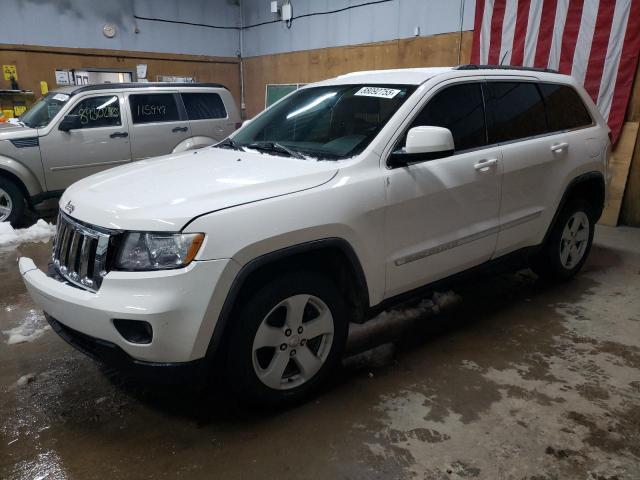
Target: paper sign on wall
x,y
378,92
63,77
10,71
141,70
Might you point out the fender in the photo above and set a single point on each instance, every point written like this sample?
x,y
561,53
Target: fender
x,y
193,143
29,181
275,256
593,175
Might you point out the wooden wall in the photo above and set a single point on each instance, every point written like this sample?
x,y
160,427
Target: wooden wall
x,y
630,212
39,63
313,65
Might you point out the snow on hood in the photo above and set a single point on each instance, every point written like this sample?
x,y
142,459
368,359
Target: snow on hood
x,y
164,193
10,131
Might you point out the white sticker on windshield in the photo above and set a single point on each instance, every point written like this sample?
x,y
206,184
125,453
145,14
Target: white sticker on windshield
x,y
61,97
377,92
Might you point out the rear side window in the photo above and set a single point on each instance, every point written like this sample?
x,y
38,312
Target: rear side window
x,y
201,106
514,110
460,109
153,107
565,110
98,112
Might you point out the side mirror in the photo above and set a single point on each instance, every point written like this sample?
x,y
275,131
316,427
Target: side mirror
x,y
424,143
70,122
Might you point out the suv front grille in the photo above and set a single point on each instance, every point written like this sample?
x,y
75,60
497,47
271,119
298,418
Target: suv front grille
x,y
80,253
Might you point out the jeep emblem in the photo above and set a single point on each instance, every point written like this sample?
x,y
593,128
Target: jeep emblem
x,y
69,207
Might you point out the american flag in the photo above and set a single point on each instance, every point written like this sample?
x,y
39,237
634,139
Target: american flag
x,y
597,42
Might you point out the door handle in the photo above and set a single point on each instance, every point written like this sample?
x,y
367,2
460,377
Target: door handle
x,y
486,163
119,135
179,129
559,147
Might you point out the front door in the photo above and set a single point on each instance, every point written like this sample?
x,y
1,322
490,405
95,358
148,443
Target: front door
x,y
101,142
443,214
158,123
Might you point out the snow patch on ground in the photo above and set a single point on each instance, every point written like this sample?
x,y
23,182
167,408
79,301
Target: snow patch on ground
x,y
41,231
32,328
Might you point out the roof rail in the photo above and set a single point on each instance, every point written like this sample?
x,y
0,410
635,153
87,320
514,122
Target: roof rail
x,y
472,66
111,86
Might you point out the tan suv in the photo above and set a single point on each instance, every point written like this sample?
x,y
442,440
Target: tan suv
x,y
77,131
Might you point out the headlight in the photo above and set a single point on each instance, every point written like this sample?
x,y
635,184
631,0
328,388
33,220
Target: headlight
x,y
158,251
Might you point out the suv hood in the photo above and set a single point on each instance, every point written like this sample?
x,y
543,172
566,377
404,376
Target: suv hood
x,y
10,131
164,193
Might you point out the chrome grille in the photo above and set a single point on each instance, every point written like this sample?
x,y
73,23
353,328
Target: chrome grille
x,y
80,253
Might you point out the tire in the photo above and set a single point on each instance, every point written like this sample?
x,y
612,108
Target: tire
x,y
12,202
568,244
271,362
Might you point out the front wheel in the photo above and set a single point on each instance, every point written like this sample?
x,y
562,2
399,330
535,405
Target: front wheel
x,y
11,202
568,244
286,339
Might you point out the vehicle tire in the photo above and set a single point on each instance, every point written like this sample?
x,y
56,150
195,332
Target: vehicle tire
x,y
286,339
568,245
11,202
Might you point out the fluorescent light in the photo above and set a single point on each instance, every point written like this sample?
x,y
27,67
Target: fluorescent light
x,y
310,105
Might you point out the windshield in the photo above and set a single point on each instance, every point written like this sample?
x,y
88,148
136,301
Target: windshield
x,y
41,112
332,122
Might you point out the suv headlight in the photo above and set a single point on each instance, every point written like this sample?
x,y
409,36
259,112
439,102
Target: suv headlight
x,y
158,251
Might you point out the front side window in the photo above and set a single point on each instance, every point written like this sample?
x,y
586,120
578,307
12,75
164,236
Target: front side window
x,y
460,109
153,108
201,106
331,122
514,110
97,112
43,111
565,110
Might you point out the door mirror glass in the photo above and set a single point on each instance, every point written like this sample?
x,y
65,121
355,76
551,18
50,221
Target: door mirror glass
x,y
424,143
70,122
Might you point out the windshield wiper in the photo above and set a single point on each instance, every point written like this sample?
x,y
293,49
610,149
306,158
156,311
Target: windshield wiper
x,y
230,143
275,147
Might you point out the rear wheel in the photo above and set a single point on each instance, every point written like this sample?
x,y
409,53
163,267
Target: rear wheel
x,y
568,244
11,202
286,339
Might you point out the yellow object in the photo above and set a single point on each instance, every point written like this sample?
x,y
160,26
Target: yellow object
x,y
8,113
44,88
10,71
19,109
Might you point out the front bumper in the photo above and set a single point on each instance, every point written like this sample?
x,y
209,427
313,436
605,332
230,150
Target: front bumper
x,y
182,306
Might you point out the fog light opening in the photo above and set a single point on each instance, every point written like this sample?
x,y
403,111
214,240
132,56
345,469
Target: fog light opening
x,y
134,331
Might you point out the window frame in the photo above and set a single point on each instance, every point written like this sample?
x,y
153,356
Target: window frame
x,y
224,105
182,113
421,106
482,82
79,100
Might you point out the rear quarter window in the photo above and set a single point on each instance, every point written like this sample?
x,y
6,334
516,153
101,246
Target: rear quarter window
x,y
565,109
515,110
202,106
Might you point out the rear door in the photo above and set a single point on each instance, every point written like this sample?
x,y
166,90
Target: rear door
x,y
158,123
207,116
101,142
537,147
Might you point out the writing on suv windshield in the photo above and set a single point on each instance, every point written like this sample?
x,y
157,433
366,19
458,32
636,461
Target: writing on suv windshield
x,y
329,123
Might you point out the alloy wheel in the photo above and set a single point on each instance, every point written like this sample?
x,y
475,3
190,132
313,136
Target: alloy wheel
x,y
574,240
293,342
6,205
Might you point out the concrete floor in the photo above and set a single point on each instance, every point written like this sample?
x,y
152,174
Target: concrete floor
x,y
515,380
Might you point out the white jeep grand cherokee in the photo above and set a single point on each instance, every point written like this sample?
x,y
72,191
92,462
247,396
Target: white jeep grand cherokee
x,y
340,200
